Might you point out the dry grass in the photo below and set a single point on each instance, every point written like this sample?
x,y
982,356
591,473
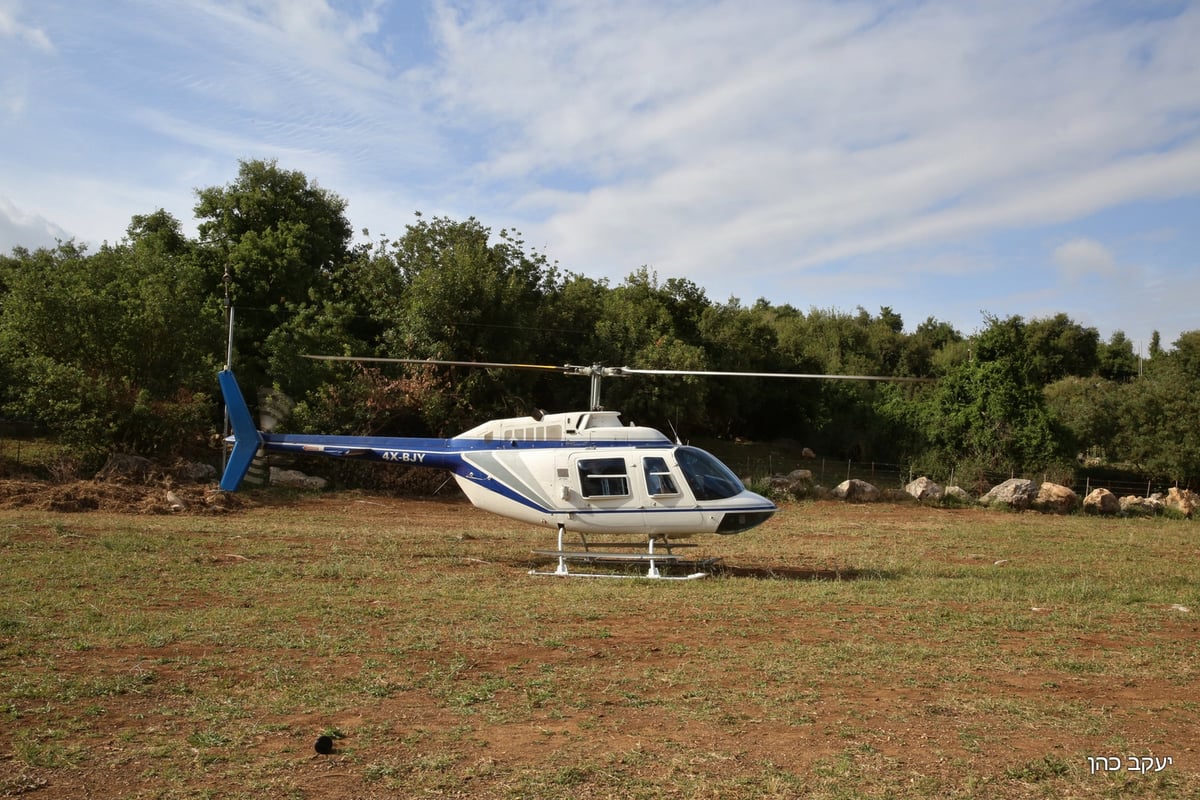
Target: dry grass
x,y
843,651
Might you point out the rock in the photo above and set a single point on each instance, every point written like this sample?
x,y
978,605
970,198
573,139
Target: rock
x,y
798,482
295,479
1181,501
957,494
800,476
1053,498
1101,501
856,491
1015,493
1134,506
174,502
924,488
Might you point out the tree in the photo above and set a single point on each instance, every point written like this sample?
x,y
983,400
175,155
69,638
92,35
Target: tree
x,y
1057,347
1091,410
114,349
931,349
465,297
1159,431
281,237
988,417
648,325
1116,359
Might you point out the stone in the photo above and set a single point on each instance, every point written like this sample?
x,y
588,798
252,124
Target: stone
x,y
1182,501
1101,501
1015,493
1054,498
856,491
925,489
295,479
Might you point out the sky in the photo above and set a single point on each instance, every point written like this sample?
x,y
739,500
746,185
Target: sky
x,y
946,159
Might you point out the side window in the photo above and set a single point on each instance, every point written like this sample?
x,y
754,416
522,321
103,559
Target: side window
x,y
603,477
658,476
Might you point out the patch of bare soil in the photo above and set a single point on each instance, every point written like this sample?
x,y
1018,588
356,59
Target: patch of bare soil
x,y
115,497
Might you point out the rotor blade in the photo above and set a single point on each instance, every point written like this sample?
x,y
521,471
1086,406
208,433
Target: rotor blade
x,y
808,376
436,362
620,372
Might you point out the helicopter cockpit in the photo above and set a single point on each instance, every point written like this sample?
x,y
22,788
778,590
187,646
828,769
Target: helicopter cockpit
x,y
708,478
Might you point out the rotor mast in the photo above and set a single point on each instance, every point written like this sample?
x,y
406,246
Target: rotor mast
x,y
595,372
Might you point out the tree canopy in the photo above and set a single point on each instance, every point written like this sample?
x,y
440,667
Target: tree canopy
x,y
117,349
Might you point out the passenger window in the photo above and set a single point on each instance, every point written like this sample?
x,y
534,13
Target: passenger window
x,y
658,477
603,477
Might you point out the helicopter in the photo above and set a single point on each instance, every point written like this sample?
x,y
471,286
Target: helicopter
x,y
584,472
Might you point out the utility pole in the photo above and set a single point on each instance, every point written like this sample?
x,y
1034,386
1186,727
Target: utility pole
x,y
228,280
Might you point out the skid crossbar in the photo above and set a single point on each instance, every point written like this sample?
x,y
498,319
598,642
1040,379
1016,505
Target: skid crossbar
x,y
588,556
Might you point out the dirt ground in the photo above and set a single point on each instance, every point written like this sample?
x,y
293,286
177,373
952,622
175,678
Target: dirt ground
x,y
115,497
885,724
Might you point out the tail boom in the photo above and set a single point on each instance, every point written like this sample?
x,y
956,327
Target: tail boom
x,y
248,441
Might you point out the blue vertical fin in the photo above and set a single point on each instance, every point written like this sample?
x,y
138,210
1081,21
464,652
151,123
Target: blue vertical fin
x,y
246,438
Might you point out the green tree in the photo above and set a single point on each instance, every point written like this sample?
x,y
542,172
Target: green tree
x,y
739,339
1057,347
1116,359
987,417
463,296
114,349
932,348
1092,411
1159,431
1155,345
282,238
649,325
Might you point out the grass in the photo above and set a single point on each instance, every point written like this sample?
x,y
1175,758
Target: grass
x,y
845,651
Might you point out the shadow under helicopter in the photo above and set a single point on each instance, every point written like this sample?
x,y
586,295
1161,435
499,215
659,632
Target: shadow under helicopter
x,y
716,569
786,573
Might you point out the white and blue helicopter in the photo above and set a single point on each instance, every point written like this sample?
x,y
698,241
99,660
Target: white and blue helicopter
x,y
584,472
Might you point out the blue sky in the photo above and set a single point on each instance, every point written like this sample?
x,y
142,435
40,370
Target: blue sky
x,y
946,159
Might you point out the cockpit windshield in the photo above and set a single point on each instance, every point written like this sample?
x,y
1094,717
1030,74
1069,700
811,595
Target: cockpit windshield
x,y
708,477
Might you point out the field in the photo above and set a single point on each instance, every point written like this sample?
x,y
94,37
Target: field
x,y
884,650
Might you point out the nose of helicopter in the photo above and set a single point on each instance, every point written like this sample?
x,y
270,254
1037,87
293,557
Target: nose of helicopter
x,y
752,510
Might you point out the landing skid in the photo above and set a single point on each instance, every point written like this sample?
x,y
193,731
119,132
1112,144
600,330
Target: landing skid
x,y
587,556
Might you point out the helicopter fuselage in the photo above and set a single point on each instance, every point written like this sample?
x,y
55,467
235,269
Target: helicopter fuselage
x,y
584,471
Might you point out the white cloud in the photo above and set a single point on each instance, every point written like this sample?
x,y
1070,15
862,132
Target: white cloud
x,y
19,227
11,27
1081,258
789,134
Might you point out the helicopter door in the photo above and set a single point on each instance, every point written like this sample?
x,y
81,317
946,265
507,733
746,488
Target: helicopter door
x,y
604,492
668,508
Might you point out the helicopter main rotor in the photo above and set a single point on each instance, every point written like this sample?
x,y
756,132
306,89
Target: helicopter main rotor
x,y
596,372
